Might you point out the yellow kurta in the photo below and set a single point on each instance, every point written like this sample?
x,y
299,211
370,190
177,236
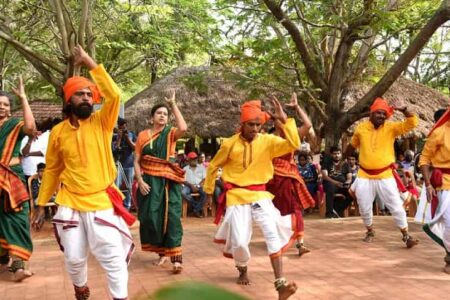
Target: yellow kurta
x,y
81,158
436,152
376,146
247,163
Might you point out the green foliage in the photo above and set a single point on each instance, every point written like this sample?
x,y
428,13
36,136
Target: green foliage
x,y
195,290
138,41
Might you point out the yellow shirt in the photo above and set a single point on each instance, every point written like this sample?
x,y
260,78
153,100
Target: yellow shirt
x,y
376,146
436,151
245,163
81,158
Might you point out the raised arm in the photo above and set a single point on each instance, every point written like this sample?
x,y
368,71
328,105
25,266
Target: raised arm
x,y
409,123
29,127
291,142
181,124
306,122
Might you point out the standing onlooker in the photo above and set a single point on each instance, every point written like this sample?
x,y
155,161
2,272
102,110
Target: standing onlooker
x,y
194,178
33,152
123,148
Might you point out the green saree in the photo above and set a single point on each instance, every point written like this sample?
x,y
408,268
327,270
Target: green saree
x,y
160,210
15,236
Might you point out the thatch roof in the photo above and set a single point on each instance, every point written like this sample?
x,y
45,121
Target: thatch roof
x,y
208,101
420,98
42,110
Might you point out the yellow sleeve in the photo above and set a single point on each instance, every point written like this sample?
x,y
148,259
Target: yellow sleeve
x,y
211,172
355,142
405,126
431,145
54,166
291,142
109,90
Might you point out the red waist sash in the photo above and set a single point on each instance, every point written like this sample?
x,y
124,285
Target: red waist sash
x,y
119,209
436,180
398,180
222,200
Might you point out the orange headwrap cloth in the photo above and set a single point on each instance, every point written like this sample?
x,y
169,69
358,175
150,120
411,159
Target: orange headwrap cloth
x,y
251,110
77,83
442,120
381,104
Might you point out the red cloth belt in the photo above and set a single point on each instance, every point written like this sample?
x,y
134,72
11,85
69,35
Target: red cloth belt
x,y
119,209
222,200
436,180
398,180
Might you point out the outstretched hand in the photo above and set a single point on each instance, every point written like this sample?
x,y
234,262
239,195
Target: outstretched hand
x,y
80,57
278,113
171,98
20,89
294,101
398,104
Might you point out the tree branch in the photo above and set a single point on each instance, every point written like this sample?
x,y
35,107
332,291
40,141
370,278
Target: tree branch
x,y
30,53
310,67
440,17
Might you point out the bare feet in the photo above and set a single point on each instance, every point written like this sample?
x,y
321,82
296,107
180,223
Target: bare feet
x,y
302,250
177,268
410,241
22,274
286,291
162,260
243,277
370,235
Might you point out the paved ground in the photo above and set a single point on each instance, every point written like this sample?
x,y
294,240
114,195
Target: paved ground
x,y
340,266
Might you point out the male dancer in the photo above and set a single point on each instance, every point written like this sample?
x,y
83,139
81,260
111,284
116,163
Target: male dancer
x,y
435,165
246,160
90,213
377,176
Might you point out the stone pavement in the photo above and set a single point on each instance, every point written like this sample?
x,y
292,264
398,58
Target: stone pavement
x,y
340,266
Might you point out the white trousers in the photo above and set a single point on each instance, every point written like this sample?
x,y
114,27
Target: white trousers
x,y
237,227
439,227
386,189
107,237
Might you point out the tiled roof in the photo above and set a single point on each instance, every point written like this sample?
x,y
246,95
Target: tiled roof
x,y
42,110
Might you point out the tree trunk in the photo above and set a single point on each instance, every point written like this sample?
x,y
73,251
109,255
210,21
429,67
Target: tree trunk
x,y
332,133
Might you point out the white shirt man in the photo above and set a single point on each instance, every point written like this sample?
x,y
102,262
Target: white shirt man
x,y
38,145
195,175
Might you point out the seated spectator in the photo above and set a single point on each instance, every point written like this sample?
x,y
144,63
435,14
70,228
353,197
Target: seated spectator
x,y
194,178
36,184
181,159
218,189
202,160
351,167
335,182
309,173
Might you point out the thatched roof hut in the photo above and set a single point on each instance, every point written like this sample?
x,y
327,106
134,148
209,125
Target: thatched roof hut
x,y
420,98
208,101
42,110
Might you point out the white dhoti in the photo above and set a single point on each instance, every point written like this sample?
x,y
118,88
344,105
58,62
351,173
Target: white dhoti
x,y
236,230
107,237
387,190
423,214
439,227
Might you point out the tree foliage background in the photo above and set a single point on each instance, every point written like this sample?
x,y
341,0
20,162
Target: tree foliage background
x,y
317,48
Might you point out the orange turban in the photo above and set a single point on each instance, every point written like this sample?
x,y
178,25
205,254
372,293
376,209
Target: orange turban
x,y
251,110
381,104
77,83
